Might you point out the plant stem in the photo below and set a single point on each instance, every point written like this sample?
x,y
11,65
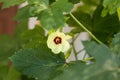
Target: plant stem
x,y
67,55
74,51
84,56
85,28
80,51
87,59
61,29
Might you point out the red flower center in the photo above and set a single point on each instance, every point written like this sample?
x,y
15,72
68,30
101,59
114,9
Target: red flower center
x,y
58,40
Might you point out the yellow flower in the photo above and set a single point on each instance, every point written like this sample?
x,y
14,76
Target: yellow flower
x,y
57,42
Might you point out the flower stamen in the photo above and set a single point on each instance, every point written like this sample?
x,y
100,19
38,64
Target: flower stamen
x,y
58,40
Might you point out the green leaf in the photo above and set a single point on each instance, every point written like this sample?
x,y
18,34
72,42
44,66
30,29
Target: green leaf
x,y
7,47
3,71
12,74
62,6
8,73
88,6
51,1
24,77
9,3
118,12
110,6
39,62
38,6
104,27
103,68
101,52
115,46
74,1
37,33
34,37
84,18
23,13
46,2
116,39
51,19
20,28
80,71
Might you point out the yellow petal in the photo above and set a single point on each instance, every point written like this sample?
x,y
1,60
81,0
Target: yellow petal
x,y
57,49
65,46
68,37
50,42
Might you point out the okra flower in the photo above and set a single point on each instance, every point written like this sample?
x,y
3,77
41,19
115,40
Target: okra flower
x,y
57,42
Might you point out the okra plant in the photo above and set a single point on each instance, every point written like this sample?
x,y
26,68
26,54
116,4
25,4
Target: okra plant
x,y
42,53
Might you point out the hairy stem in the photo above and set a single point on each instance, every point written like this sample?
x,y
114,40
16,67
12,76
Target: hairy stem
x,y
85,28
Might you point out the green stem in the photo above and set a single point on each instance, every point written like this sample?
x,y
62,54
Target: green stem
x,y
67,55
80,51
85,28
88,59
84,56
74,51
61,29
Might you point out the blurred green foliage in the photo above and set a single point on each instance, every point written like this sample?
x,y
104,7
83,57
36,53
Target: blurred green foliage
x,y
34,60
